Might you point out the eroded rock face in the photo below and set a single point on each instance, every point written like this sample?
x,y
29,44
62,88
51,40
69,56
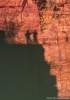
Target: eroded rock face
x,y
51,20
28,19
56,41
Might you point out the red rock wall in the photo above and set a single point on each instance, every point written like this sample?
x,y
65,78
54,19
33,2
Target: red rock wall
x,y
28,19
56,41
53,27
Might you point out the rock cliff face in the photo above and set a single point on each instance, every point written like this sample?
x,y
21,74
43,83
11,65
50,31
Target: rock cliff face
x,y
51,20
55,38
20,21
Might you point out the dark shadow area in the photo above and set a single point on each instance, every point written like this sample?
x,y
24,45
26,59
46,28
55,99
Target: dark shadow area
x,y
67,40
27,34
56,8
24,74
41,4
35,37
28,38
2,37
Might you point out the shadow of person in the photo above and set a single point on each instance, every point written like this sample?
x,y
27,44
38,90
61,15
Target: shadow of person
x,y
24,74
28,37
35,37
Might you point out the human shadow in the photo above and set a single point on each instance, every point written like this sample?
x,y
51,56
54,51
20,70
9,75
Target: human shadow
x,y
24,73
35,37
27,34
28,39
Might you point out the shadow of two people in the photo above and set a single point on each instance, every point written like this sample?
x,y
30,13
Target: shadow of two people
x,y
28,39
24,73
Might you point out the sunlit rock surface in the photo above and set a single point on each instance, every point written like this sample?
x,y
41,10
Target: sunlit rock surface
x,y
28,19
52,22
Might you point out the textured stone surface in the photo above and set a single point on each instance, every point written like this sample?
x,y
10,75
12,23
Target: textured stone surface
x,y
26,20
53,27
